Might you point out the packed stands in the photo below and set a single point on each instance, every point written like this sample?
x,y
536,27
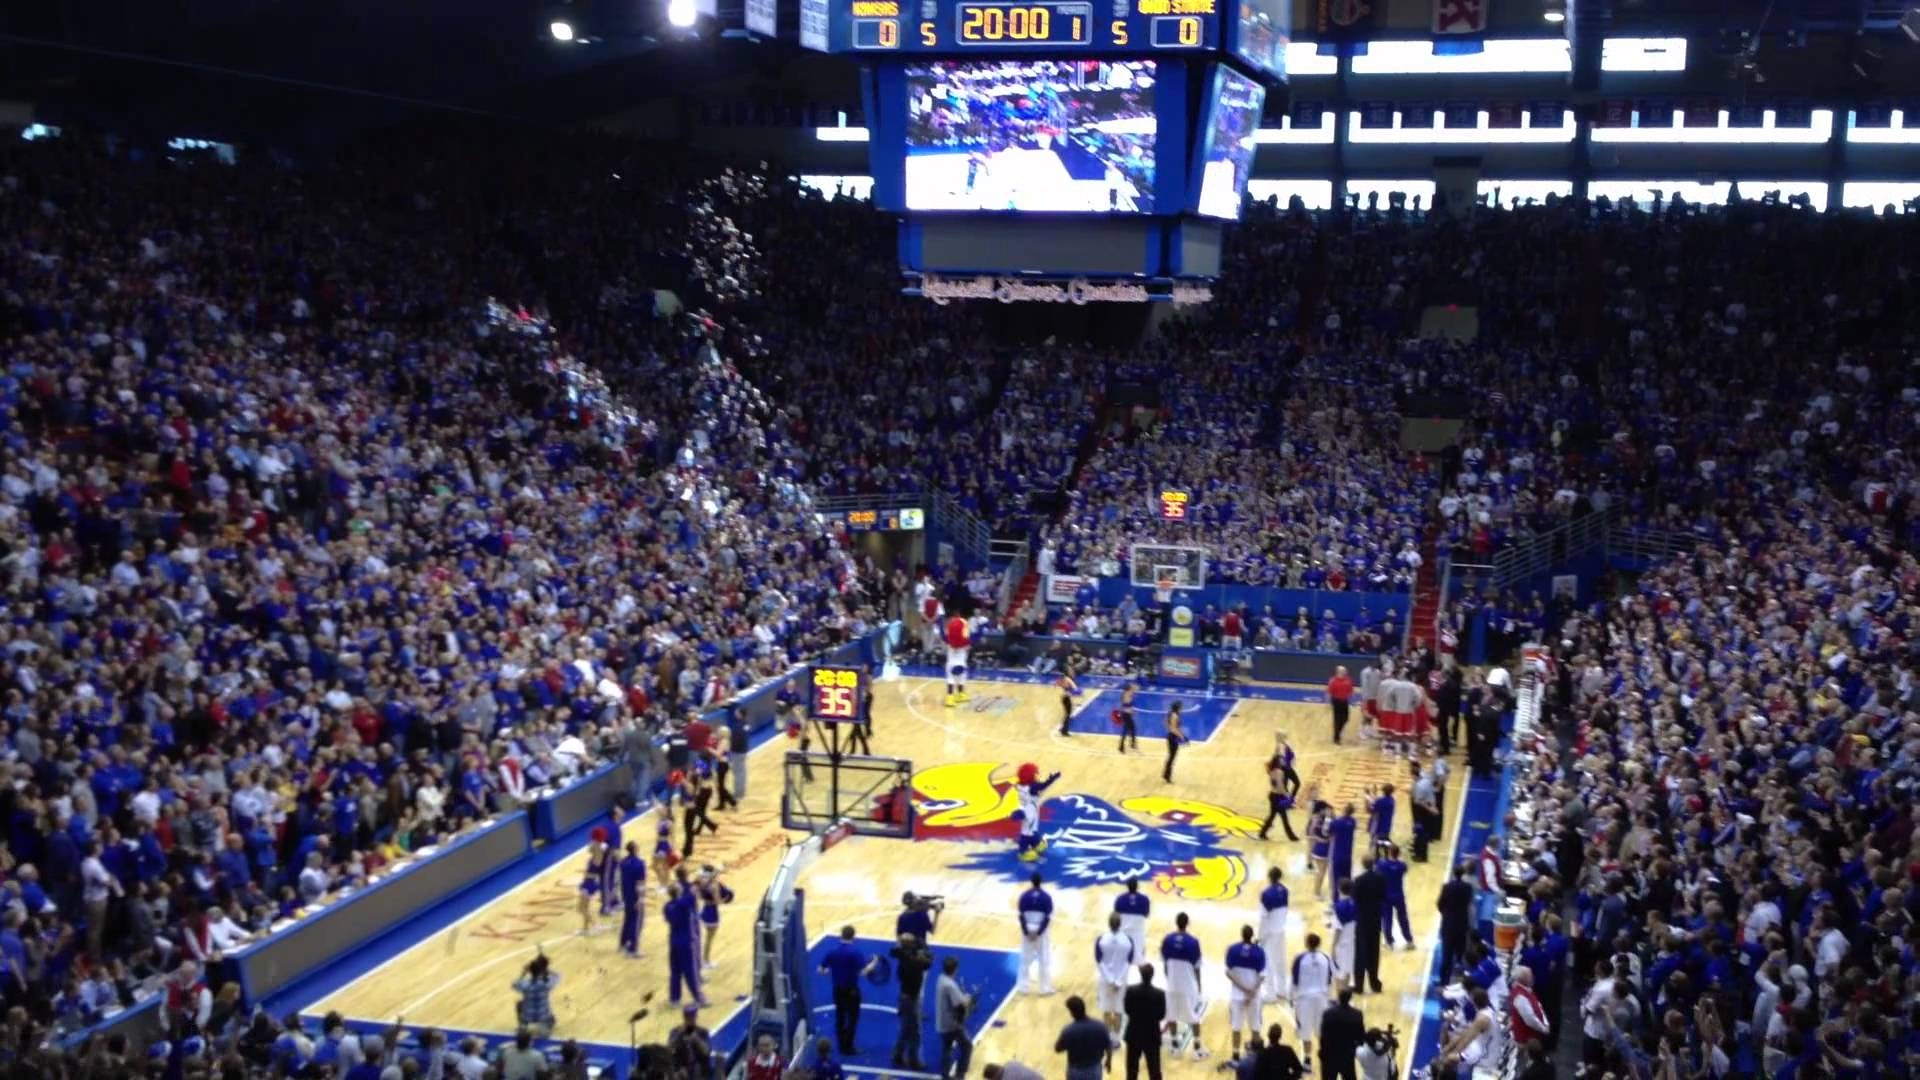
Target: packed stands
x,y
298,519
300,525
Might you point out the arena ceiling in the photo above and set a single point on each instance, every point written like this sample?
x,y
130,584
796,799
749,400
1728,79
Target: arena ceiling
x,y
247,65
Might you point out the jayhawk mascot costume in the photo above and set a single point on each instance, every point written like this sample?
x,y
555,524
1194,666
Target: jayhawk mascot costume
x,y
959,639
1029,791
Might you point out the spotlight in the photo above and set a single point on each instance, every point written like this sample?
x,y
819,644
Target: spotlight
x,y
561,29
1554,16
681,13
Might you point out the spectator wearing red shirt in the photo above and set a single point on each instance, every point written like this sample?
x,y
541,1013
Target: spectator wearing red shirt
x,y
1231,629
1339,690
699,736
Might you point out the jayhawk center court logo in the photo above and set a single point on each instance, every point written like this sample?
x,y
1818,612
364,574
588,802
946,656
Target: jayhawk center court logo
x,y
1173,845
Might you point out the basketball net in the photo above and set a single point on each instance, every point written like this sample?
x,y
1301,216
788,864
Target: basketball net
x,y
1163,591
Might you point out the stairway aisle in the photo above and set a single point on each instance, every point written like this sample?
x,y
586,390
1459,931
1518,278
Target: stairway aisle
x,y
1425,620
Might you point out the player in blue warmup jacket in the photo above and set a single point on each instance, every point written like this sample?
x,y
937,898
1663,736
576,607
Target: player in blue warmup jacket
x,y
1340,834
1394,870
683,944
633,889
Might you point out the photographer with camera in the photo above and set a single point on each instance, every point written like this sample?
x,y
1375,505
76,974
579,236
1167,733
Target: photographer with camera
x,y
911,962
535,987
1376,1054
920,916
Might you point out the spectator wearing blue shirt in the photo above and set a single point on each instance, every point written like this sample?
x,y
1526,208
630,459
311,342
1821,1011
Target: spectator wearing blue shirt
x,y
845,965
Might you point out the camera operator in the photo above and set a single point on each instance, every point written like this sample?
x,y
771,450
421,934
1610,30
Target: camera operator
x,y
1376,1054
535,987
911,962
920,916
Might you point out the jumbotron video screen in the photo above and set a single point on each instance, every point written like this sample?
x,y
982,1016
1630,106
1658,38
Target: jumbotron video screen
x,y
1040,136
1227,157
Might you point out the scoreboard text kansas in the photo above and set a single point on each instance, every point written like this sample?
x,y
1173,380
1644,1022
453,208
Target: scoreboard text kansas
x,y
1068,26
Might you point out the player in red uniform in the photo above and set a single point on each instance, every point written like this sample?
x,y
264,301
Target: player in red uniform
x,y
959,638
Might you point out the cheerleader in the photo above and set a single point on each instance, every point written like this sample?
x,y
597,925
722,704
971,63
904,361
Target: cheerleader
x,y
1283,757
610,883
698,795
664,857
595,880
860,735
1123,717
1319,840
1175,736
711,892
1031,787
1282,784
1068,690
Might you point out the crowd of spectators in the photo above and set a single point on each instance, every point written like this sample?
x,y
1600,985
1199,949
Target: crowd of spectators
x,y
314,555
880,393
1730,825
1288,446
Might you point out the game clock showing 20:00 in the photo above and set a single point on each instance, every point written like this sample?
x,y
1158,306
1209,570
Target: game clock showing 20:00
x,y
1055,24
838,695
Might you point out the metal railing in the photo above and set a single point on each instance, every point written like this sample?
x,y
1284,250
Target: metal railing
x,y
1655,544
1541,552
961,526
1018,556
966,529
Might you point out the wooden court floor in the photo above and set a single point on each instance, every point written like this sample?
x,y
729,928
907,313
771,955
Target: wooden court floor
x,y
1119,817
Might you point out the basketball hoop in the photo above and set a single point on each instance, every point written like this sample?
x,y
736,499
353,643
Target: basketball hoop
x,y
1163,591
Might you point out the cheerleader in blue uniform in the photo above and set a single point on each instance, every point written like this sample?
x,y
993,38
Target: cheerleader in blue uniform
x,y
595,879
664,857
711,892
1319,839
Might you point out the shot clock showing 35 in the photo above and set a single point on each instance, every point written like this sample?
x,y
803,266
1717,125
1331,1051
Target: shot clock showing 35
x,y
836,696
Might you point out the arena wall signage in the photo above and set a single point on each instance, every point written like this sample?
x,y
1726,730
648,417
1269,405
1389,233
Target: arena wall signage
x,y
1078,291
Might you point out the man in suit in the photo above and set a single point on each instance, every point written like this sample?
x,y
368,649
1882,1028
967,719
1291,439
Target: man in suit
x,y
1369,893
1342,1031
1146,1008
1456,920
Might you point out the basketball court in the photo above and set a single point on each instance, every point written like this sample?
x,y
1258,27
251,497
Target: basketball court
x,y
1109,817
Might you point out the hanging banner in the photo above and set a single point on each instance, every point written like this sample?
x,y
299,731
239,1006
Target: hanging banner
x,y
1873,114
1701,113
1793,114
1613,113
1416,114
1376,114
1746,115
1463,114
1460,16
1503,114
1344,20
763,17
1548,114
813,25
1307,115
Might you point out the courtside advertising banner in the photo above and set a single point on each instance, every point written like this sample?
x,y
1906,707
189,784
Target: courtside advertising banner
x,y
1063,588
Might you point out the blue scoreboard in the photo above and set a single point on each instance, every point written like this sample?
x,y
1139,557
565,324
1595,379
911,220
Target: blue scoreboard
x,y
1082,139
